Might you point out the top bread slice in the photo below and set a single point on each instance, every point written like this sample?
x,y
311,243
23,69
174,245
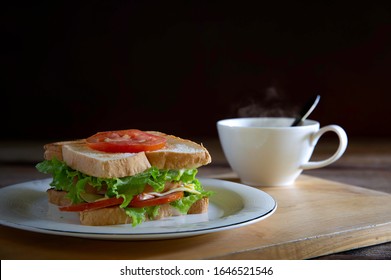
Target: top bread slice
x,y
177,154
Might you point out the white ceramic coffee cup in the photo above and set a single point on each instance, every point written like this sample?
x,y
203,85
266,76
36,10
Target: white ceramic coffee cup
x,y
269,152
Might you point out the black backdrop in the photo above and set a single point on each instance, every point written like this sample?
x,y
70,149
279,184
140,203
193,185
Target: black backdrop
x,y
70,70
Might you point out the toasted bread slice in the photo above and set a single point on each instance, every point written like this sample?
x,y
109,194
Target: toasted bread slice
x,y
116,215
103,165
58,197
177,154
52,150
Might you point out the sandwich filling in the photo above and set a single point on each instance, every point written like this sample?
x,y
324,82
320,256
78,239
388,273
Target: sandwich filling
x,y
140,195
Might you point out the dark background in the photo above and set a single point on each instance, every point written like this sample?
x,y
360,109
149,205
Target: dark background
x,y
72,69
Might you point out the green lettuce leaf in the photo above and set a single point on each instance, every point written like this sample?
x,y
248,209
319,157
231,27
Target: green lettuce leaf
x,y
137,215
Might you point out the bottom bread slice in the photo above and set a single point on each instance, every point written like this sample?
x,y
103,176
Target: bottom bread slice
x,y
115,215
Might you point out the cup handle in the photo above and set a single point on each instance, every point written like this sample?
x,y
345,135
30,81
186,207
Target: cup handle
x,y
343,142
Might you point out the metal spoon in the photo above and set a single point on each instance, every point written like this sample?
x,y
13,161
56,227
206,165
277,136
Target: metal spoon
x,y
306,110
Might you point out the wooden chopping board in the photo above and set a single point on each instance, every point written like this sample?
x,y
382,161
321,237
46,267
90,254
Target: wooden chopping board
x,y
314,218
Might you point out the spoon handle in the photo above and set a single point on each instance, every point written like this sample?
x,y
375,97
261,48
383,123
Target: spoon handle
x,y
306,110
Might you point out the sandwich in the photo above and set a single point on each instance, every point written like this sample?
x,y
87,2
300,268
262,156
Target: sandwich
x,y
126,177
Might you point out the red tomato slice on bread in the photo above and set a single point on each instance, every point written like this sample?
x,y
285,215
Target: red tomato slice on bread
x,y
92,205
125,141
138,203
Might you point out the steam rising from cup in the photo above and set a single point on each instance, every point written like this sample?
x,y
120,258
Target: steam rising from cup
x,y
272,104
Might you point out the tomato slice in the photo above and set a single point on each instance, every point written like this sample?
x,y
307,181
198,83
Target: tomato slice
x,y
125,141
92,205
137,202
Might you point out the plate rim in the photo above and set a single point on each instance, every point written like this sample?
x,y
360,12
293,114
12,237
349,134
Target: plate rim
x,y
239,188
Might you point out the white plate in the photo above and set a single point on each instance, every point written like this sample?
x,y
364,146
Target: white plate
x,y
24,206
